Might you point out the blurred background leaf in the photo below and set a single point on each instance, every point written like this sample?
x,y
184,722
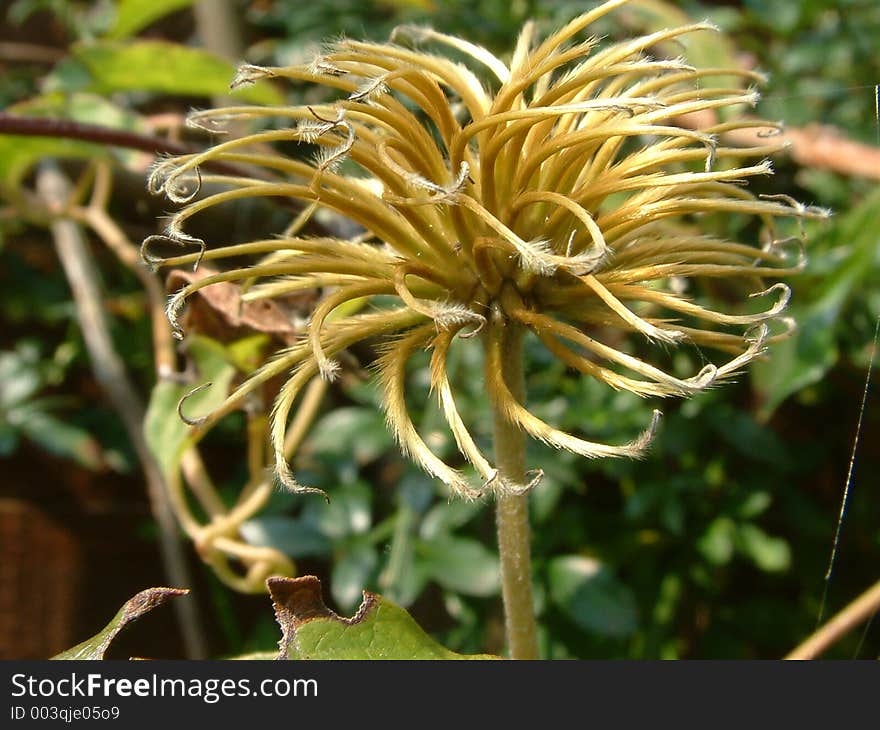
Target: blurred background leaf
x,y
133,16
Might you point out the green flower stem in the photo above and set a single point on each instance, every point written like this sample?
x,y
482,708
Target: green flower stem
x,y
512,514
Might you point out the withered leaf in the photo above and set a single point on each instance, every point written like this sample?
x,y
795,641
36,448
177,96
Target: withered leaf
x,y
134,608
224,298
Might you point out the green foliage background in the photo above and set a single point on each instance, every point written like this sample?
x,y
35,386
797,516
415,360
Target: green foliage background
x,y
713,547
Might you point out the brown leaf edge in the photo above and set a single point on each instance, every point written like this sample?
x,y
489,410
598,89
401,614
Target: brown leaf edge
x,y
299,600
131,611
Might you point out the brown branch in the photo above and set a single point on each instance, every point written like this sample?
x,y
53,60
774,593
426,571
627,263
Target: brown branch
x,y
69,129
857,612
111,137
108,136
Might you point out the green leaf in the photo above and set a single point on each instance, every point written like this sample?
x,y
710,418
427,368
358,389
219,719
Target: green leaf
x,y
717,543
143,602
351,572
408,579
770,554
247,353
754,505
157,66
19,154
558,471
297,538
22,376
591,596
799,361
460,564
805,358
348,308
163,429
445,517
416,490
19,375
8,439
62,439
357,432
348,512
379,629
133,16
668,598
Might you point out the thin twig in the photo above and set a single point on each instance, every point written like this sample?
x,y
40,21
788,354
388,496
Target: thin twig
x,y
30,53
69,129
108,136
14,124
857,612
109,371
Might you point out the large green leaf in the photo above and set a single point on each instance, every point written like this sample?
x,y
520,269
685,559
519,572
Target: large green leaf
x,y
800,361
19,154
133,16
379,629
143,602
151,65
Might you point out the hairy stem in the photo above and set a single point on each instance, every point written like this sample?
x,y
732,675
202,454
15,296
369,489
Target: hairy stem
x,y
512,513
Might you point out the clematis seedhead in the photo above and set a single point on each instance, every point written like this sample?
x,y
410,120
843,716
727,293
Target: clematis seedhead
x,y
557,193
